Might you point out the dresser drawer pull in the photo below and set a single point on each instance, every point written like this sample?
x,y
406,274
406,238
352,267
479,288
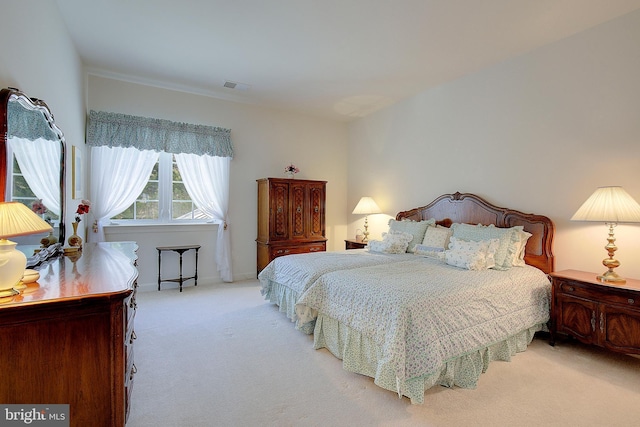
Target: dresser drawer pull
x,y
570,288
593,321
314,249
631,301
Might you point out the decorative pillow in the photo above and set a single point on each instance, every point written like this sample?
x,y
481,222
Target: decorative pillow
x,y
429,251
393,242
437,237
518,260
509,240
416,228
472,255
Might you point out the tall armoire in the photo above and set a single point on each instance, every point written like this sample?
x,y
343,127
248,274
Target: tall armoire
x,y
291,218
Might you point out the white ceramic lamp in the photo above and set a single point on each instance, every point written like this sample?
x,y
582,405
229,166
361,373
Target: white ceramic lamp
x,y
611,205
15,220
366,206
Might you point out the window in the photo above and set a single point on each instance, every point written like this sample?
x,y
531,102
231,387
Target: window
x,y
164,198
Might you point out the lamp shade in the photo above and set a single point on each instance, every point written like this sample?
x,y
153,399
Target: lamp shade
x,y
610,205
18,220
366,206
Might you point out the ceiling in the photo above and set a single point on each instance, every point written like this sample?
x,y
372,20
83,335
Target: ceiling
x,y
339,59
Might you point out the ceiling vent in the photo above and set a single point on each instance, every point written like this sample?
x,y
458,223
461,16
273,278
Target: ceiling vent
x,y
235,85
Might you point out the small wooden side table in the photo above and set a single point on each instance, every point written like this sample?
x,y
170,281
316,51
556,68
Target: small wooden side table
x,y
354,244
180,250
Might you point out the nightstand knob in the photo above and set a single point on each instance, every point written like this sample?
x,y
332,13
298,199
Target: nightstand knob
x,y
570,288
631,301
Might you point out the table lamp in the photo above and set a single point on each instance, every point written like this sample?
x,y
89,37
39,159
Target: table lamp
x,y
15,220
611,205
366,206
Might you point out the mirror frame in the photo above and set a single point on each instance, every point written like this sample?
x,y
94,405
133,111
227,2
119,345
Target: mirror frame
x,y
12,94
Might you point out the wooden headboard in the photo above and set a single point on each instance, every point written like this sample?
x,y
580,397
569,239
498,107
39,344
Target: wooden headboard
x,y
471,209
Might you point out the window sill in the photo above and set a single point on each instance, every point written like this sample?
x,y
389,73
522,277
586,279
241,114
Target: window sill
x,y
155,228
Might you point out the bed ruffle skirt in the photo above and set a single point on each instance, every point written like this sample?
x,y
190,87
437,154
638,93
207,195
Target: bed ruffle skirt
x,y
285,298
360,354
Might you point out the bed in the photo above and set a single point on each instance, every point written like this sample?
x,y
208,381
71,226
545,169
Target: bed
x,y
286,278
414,321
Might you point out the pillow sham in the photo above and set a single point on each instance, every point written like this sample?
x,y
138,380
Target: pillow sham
x,y
509,240
437,237
416,228
393,242
472,255
518,260
468,255
429,251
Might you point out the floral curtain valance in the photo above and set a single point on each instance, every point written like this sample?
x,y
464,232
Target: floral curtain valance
x,y
28,124
121,130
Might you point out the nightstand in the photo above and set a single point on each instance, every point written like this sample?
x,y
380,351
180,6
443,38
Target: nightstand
x,y
594,312
354,244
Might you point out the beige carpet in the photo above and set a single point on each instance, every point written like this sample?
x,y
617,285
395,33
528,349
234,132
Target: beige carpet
x,y
219,355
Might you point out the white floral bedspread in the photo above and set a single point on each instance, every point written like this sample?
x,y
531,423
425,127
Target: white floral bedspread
x,y
298,272
423,313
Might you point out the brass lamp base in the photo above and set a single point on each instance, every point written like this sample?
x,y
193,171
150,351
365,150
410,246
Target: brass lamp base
x,y
611,263
611,276
365,233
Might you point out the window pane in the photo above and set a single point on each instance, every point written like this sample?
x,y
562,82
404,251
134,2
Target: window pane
x,y
127,214
182,210
150,192
147,210
180,192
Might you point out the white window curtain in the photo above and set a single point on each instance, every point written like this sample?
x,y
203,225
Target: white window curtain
x,y
205,170
206,179
118,176
39,162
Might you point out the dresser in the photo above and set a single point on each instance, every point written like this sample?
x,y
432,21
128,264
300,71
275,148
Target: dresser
x,y
291,218
68,338
594,312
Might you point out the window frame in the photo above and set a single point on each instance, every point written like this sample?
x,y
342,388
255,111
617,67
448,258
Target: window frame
x,y
165,198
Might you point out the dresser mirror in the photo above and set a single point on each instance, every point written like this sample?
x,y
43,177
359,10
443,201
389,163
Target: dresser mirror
x,y
32,164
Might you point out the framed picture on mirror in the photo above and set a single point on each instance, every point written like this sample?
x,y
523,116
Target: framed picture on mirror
x,y
76,173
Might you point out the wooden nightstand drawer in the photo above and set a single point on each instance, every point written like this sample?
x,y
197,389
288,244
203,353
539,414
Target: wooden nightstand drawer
x,y
601,293
354,244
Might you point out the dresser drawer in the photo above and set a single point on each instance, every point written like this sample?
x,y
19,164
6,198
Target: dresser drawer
x,y
298,249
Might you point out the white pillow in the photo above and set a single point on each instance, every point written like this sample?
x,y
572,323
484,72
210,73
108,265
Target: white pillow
x,y
415,228
429,251
509,240
437,237
518,260
472,255
393,242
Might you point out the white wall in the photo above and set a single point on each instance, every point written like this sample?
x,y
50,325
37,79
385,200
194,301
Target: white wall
x,y
537,133
38,57
265,141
